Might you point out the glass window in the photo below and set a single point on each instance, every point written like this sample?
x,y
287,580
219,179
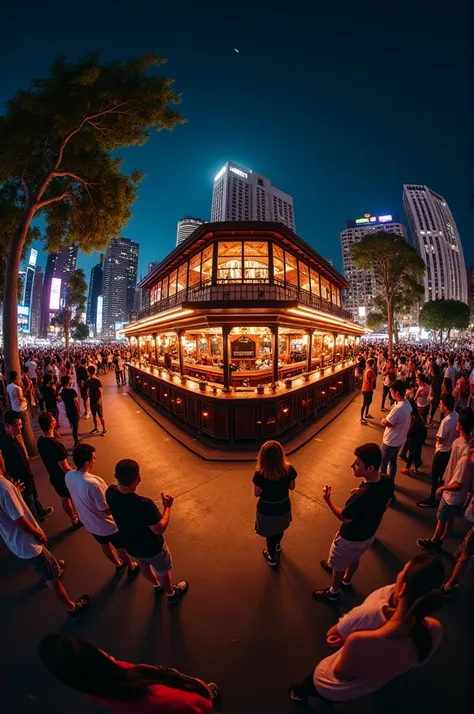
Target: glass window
x,y
164,294
229,262
256,261
291,272
315,283
278,265
207,263
195,270
172,286
155,293
182,277
333,294
325,287
304,276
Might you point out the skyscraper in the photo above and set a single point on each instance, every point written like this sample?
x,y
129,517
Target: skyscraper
x,y
35,308
243,195
95,289
436,238
186,226
363,285
58,267
120,279
28,285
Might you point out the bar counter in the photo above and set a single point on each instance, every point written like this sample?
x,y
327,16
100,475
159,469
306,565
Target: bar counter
x,y
242,415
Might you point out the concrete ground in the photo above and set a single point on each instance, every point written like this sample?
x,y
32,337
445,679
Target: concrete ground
x,y
248,628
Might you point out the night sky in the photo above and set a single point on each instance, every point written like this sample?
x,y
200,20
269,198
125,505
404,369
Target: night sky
x,y
338,103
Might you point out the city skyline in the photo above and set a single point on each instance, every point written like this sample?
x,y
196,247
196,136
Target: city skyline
x,y
340,147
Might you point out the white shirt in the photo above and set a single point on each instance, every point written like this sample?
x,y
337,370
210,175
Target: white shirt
x,y
369,615
12,506
31,364
400,417
17,399
459,469
447,431
451,373
88,495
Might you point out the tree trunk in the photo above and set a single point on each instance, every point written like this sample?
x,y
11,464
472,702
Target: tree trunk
x,y
10,316
390,326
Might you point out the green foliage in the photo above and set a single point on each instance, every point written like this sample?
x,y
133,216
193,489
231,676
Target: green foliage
x,y
376,320
445,315
397,269
69,317
80,332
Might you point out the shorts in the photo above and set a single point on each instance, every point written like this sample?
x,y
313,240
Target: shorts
x,y
114,539
466,549
161,562
83,391
46,565
344,553
59,485
367,396
446,512
97,410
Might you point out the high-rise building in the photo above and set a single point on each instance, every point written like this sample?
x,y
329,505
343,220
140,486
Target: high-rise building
x,y
28,285
95,289
362,283
243,195
120,279
58,266
35,308
186,226
437,240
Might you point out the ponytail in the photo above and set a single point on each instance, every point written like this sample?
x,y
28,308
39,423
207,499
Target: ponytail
x,y
419,633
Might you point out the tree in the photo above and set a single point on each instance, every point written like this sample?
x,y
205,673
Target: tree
x,y
57,140
70,316
397,269
402,304
80,332
447,315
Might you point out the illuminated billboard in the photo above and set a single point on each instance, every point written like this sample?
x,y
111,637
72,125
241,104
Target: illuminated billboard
x,y
33,257
98,320
368,219
55,294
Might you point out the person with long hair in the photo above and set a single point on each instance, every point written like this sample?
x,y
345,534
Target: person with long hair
x,y
274,477
370,658
123,687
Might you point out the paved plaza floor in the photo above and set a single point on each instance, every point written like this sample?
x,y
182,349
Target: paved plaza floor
x,y
242,625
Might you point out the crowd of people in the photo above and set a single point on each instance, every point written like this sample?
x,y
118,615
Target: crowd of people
x,y
394,630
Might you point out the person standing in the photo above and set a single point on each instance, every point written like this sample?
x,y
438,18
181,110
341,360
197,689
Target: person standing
x,y
416,437
81,376
17,464
94,390
88,496
396,426
360,518
464,555
422,396
32,367
68,395
389,375
369,380
273,479
457,480
25,539
141,528
445,437
436,381
55,459
50,398
19,405
119,370
451,372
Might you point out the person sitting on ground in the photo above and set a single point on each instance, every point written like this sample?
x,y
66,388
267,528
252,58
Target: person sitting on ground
x,y
121,686
370,658
360,517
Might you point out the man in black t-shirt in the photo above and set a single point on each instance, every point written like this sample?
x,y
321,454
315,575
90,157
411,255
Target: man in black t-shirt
x,y
55,459
81,376
71,406
141,527
94,390
360,517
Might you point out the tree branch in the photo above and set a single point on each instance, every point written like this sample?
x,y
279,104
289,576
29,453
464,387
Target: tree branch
x,y
26,188
54,199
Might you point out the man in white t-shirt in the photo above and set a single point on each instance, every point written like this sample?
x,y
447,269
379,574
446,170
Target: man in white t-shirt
x,y
451,372
19,405
26,540
396,426
31,364
445,437
88,496
458,480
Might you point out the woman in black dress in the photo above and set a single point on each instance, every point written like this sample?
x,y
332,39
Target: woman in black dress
x,y
274,477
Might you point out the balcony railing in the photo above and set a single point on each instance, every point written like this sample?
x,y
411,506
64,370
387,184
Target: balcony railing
x,y
250,291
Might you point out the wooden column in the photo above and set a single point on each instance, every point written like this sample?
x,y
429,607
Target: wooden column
x,y
309,356
225,357
275,351
334,337
344,348
155,342
180,352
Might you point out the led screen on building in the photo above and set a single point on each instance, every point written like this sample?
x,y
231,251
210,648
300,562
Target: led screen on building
x,y
55,294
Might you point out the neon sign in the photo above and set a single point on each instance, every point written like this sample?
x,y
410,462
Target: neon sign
x,y
239,172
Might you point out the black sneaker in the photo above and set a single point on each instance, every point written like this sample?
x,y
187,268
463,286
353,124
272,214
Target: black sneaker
x,y
47,512
271,561
427,544
278,548
295,697
364,421
180,589
120,568
75,525
131,574
326,595
448,593
427,503
158,590
81,605
95,431
346,584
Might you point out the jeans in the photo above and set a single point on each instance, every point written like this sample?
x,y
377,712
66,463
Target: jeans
x,y
74,422
32,501
389,458
120,377
272,543
434,404
415,455
438,467
385,394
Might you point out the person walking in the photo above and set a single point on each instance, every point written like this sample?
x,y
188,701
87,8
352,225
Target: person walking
x,y
94,390
88,496
436,381
19,406
17,464
445,437
396,426
369,380
451,372
416,437
360,518
141,528
121,686
81,377
50,398
273,479
371,658
389,375
27,541
68,395
55,459
457,481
